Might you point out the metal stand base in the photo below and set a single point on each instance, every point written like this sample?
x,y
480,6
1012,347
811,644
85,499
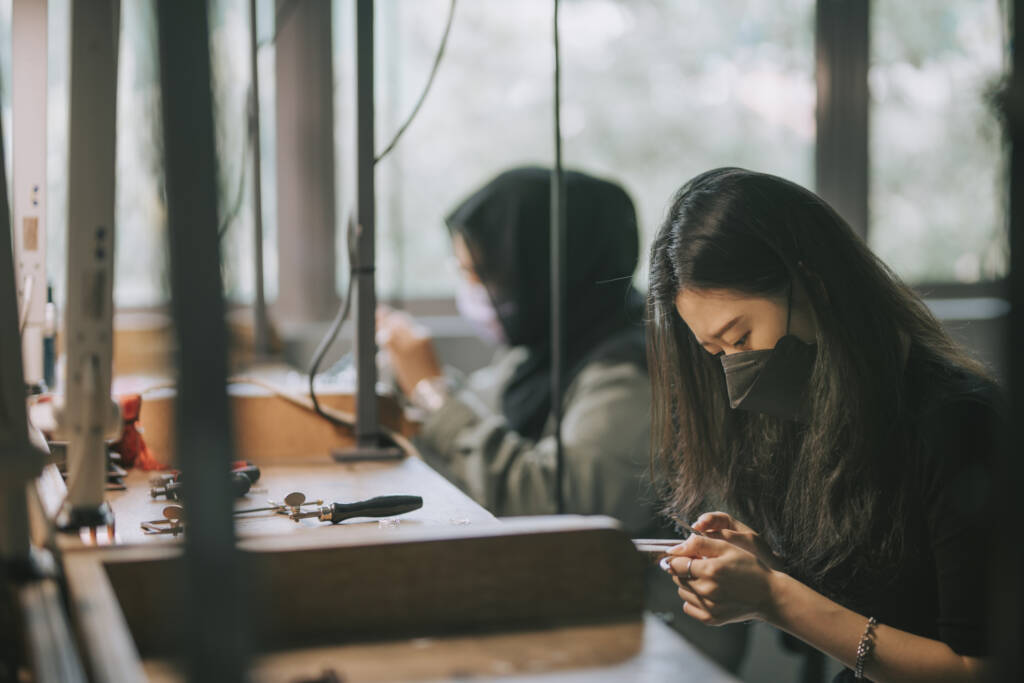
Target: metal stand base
x,y
73,519
368,454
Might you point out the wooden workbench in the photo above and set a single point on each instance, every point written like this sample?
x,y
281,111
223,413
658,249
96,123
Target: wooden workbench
x,y
469,595
443,503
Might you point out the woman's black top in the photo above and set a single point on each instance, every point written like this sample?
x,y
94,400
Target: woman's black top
x,y
942,589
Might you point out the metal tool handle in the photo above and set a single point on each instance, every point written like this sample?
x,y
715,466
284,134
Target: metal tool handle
x,y
381,506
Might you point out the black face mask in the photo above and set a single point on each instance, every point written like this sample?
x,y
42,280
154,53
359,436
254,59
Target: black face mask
x,y
771,381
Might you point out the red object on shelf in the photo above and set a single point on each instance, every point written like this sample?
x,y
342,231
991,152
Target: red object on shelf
x,y
133,449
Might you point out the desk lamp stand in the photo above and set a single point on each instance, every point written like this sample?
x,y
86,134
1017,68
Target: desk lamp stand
x,y
369,443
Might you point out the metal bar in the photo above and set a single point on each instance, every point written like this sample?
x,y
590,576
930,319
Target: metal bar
x,y
28,102
89,327
261,328
841,71
558,222
367,432
18,463
212,627
1006,594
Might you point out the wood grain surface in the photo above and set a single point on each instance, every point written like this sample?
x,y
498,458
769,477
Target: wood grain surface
x,y
447,592
553,599
637,652
383,584
267,427
443,503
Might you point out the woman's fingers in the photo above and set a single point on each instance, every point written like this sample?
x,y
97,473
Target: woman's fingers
x,y
694,610
684,567
699,546
687,593
704,588
714,521
720,521
388,323
399,331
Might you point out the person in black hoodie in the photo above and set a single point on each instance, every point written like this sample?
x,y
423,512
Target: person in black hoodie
x,y
492,434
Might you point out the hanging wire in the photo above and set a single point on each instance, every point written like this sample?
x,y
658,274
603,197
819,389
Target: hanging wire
x,y
284,11
426,89
346,306
332,331
558,221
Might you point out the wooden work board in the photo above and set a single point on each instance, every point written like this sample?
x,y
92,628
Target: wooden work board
x,y
443,503
447,592
646,651
531,599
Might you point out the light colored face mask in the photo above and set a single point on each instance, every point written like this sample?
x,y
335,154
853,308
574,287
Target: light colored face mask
x,y
474,304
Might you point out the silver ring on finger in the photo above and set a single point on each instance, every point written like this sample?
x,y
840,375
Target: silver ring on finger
x,y
689,567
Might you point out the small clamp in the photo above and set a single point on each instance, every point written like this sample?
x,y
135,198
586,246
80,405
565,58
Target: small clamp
x,y
171,523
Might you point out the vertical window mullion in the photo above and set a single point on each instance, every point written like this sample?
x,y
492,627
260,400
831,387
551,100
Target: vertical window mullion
x,y
841,72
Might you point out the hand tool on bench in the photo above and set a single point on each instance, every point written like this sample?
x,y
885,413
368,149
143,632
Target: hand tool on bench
x,y
172,519
381,506
243,466
292,503
240,485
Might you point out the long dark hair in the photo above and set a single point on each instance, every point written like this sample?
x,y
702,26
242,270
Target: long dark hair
x,y
823,491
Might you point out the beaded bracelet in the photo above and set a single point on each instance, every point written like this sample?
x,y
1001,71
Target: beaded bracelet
x,y
864,647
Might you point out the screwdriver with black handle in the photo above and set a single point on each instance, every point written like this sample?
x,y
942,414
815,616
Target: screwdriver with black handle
x,y
381,506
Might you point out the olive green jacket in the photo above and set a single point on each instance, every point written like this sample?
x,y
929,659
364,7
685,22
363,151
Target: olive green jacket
x,y
605,435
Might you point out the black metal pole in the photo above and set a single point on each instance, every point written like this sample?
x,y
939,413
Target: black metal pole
x,y
558,220
261,327
211,627
842,42
19,463
367,434
1007,594
369,444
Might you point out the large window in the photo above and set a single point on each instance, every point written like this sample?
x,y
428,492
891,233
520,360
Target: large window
x,y
141,276
653,93
937,202
232,89
140,215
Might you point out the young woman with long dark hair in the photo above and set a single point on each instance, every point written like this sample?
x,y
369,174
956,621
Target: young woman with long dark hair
x,y
800,385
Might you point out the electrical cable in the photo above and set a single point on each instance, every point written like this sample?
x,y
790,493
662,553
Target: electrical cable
x,y
236,205
283,13
332,331
346,304
426,88
558,221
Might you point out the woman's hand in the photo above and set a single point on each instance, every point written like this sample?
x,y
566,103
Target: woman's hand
x,y
720,582
409,346
722,526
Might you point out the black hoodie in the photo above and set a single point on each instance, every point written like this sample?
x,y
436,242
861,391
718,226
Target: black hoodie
x,y
507,227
